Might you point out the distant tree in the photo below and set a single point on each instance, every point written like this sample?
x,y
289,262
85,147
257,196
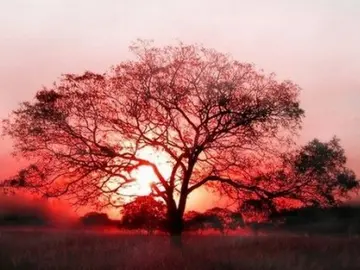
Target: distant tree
x,y
12,184
340,219
22,219
144,213
258,227
213,117
14,212
96,219
205,221
227,219
193,221
315,175
236,221
215,218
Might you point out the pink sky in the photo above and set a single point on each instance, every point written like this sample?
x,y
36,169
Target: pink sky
x,y
315,43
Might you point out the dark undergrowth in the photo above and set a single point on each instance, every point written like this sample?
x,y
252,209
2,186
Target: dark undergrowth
x,y
80,250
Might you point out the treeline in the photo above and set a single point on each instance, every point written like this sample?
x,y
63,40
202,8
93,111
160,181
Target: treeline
x,y
145,213
24,211
337,220
217,219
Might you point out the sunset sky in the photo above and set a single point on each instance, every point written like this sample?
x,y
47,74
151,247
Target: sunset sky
x,y
315,43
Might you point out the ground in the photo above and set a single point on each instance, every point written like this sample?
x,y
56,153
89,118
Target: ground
x,y
79,250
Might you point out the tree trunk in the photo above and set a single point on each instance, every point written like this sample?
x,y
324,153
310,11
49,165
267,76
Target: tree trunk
x,y
175,227
176,238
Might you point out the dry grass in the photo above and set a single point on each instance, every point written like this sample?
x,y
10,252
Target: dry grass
x,y
79,250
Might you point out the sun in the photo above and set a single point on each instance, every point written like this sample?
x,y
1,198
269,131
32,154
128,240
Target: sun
x,y
145,175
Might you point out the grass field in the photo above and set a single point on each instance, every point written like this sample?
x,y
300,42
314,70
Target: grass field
x,y
79,250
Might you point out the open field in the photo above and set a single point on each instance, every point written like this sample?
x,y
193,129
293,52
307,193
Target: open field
x,y
79,250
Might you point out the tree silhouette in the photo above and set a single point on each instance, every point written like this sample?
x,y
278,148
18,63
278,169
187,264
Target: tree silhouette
x,y
236,221
96,219
17,212
144,213
211,115
342,219
314,175
193,221
216,218
204,221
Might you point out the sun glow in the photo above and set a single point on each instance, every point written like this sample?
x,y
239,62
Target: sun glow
x,y
144,175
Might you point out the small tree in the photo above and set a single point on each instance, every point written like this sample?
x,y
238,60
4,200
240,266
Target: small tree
x,y
193,221
9,186
203,221
236,221
96,219
314,175
216,218
144,213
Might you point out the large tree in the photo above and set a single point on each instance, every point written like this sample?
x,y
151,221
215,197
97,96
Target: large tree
x,y
211,115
